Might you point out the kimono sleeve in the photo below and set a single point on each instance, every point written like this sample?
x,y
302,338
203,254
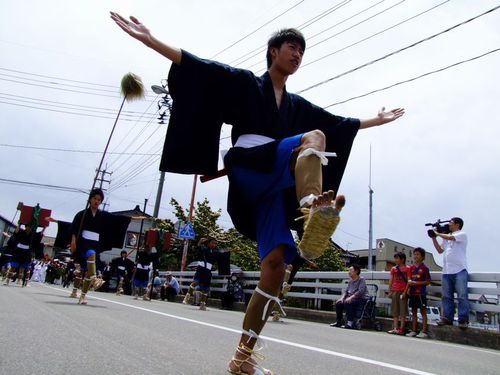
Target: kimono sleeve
x,y
113,233
203,92
75,225
63,237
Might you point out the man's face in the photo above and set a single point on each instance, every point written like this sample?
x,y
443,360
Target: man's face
x,y
95,201
212,244
453,226
417,257
287,58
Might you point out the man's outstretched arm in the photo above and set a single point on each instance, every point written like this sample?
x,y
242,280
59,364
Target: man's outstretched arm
x,y
383,117
139,31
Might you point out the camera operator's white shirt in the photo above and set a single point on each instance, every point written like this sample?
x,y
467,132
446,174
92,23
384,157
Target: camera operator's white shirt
x,y
454,253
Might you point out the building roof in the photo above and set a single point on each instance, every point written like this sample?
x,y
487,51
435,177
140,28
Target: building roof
x,y
344,253
136,211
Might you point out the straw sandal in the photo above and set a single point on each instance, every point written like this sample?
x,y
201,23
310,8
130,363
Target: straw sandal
x,y
320,223
247,357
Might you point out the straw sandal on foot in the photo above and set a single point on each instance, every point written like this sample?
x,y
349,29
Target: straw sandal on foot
x,y
246,357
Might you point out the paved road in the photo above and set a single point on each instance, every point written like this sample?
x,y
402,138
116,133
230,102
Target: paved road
x,y
42,331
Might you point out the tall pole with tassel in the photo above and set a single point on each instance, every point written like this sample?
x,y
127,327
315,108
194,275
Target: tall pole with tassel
x,y
132,89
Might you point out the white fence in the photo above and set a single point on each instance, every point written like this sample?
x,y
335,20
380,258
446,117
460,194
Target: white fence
x,y
319,286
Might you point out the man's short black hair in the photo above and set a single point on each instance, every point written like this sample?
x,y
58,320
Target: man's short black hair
x,y
123,252
421,251
356,268
458,221
95,192
282,36
400,255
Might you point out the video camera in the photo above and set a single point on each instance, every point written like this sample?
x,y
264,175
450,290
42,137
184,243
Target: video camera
x,y
438,227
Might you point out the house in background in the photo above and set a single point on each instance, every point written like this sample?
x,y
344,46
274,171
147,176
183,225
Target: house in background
x,y
6,227
383,255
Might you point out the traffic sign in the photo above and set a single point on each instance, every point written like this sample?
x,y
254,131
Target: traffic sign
x,y
187,232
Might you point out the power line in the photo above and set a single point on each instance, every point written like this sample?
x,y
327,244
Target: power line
x,y
72,107
62,103
63,89
67,112
43,186
61,79
415,78
398,51
335,25
72,150
356,24
58,83
306,24
373,35
141,131
257,29
137,149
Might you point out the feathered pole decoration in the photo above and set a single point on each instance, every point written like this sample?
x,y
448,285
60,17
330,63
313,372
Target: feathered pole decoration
x,y
132,89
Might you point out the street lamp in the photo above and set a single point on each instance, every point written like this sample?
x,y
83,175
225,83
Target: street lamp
x,y
161,90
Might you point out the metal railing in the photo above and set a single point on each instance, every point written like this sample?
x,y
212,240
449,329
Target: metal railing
x,y
329,286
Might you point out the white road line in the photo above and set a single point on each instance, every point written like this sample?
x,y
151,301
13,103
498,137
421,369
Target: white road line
x,y
279,341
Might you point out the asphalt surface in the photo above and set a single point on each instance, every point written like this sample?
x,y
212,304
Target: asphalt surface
x,y
42,331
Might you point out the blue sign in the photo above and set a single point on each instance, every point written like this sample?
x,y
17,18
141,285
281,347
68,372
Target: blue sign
x,y
187,232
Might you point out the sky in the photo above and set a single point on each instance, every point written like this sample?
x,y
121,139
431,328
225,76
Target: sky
x,y
61,64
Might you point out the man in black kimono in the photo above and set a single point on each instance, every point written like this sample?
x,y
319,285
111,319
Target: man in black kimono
x,y
23,243
202,278
123,267
275,165
87,229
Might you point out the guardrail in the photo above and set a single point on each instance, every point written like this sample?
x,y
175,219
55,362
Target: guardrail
x,y
328,286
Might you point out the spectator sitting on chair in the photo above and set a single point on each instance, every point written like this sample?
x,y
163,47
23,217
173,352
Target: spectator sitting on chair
x,y
170,287
354,297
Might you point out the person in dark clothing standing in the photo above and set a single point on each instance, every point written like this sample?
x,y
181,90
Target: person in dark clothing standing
x,y
123,267
207,256
86,229
143,265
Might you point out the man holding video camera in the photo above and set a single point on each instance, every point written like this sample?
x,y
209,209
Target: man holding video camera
x,y
455,276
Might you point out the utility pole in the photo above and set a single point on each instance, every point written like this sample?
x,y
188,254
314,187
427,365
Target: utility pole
x,y
370,225
102,173
140,230
190,218
102,179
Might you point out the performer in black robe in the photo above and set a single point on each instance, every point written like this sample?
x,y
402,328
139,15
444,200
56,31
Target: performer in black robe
x,y
123,267
207,256
144,264
23,243
91,231
275,166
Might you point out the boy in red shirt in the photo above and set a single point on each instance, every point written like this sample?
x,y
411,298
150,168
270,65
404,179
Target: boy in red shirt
x,y
400,274
419,279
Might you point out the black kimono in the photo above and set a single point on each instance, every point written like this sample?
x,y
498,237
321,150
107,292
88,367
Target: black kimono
x,y
99,233
203,275
206,94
